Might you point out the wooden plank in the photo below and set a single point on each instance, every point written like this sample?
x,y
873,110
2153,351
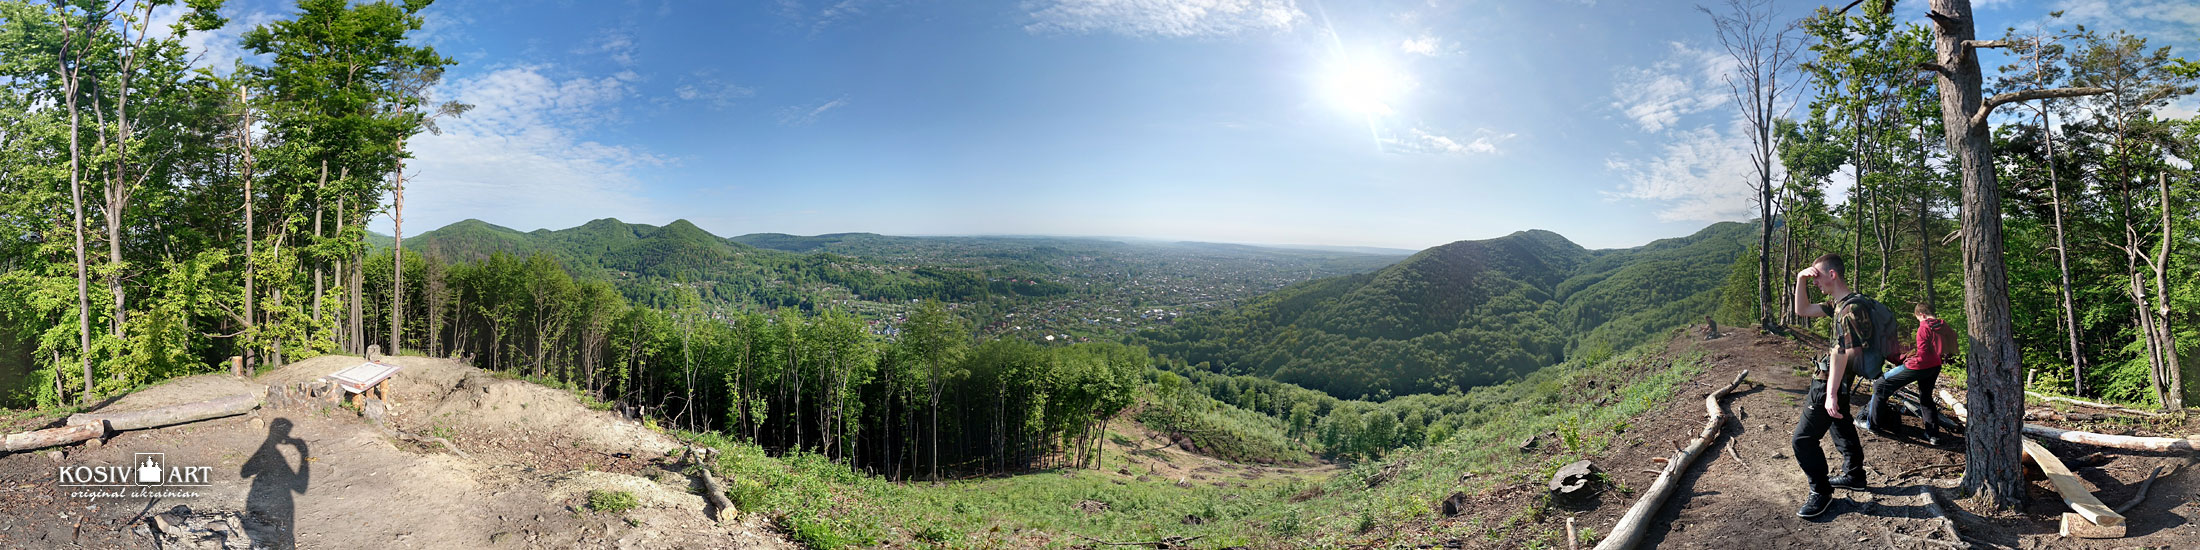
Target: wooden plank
x,y
2073,491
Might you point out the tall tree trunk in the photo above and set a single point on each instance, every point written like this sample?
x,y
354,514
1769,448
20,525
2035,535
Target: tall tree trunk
x,y
72,77
357,284
344,340
397,258
1856,188
317,267
2062,255
1996,399
244,132
1924,218
2174,380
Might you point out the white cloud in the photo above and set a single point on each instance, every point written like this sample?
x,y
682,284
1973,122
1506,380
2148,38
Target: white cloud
x,y
1485,142
803,115
1686,82
2164,19
1171,18
1700,175
520,157
1425,45
217,49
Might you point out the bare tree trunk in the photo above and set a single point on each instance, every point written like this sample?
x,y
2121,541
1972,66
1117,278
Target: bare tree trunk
x,y
1992,451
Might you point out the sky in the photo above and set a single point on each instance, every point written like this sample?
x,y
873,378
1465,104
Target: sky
x,y
1394,124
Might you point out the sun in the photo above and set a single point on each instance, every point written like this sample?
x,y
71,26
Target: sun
x,y
1364,86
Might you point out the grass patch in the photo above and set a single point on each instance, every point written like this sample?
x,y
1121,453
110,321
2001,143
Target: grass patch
x,y
614,502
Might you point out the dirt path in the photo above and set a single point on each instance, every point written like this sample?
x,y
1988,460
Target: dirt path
x,y
328,479
1750,501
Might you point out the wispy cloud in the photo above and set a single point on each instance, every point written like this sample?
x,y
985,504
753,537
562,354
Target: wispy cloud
x,y
1428,45
705,86
615,44
1420,140
1169,18
804,115
1698,175
1685,82
521,156
820,15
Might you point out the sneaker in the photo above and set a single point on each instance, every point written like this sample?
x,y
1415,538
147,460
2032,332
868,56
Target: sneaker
x,y
1932,440
1853,482
1816,504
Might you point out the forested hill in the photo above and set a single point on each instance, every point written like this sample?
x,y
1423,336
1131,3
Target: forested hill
x,y
1465,314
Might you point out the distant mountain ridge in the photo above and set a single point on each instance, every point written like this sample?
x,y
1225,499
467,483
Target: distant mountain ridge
x,y
1464,314
777,269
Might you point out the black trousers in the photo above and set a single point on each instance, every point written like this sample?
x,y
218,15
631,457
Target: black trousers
x,y
1812,427
1881,414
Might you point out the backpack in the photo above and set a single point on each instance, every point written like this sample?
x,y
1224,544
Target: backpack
x,y
1872,363
1947,343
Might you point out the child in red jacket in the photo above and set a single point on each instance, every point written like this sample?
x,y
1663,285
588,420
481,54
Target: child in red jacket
x,y
1935,342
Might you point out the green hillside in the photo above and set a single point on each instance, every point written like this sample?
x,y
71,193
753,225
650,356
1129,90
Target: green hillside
x,y
1465,314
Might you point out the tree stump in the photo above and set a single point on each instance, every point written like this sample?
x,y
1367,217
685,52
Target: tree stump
x,y
1452,505
1570,480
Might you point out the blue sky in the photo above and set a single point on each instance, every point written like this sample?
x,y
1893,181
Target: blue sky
x,y
1398,124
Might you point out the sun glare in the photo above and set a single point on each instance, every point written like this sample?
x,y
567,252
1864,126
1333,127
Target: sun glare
x,y
1365,87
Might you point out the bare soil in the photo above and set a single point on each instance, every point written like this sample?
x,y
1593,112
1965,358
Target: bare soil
x,y
337,481
1744,492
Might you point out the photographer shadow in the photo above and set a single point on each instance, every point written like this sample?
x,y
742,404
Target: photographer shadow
x,y
274,481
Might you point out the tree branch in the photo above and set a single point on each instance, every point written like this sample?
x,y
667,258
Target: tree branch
x,y
2028,95
1986,43
1936,67
1939,19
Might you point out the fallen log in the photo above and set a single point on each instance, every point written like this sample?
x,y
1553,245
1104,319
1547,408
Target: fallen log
x,y
2187,444
714,491
1629,531
2102,406
170,415
49,437
2075,495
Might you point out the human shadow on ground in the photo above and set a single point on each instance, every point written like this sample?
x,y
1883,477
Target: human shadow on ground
x,y
273,482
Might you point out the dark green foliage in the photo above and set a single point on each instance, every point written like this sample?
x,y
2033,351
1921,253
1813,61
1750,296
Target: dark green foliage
x,y
1465,314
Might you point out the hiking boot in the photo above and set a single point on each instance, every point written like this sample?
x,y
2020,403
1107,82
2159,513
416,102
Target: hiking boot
x,y
1853,482
1814,505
